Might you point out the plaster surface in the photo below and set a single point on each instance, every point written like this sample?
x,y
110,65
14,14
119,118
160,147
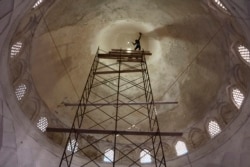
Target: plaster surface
x,y
18,138
188,64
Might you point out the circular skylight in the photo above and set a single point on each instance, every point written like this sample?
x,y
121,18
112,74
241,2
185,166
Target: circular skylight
x,y
71,146
145,156
244,52
181,148
15,49
219,3
20,91
108,156
213,128
37,3
238,97
42,124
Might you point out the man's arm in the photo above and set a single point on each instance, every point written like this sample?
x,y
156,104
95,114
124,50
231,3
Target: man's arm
x,y
140,36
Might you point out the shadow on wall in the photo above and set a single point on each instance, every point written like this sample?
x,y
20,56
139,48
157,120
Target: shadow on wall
x,y
191,30
238,158
1,123
230,159
6,7
245,153
213,165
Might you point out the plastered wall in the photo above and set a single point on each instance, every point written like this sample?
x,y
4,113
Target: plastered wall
x,y
22,146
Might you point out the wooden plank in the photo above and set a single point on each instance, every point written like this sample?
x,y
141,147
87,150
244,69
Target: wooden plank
x,y
93,131
122,53
104,55
119,55
129,51
122,71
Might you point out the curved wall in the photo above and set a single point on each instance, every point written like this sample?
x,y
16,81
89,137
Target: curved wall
x,y
22,145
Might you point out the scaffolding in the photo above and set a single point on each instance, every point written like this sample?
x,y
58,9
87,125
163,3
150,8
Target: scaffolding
x,y
116,117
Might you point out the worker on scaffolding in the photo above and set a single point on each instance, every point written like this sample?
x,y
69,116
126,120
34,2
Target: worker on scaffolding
x,y
137,42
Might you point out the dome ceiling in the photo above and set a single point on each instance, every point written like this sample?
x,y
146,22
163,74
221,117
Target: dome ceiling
x,y
188,64
200,59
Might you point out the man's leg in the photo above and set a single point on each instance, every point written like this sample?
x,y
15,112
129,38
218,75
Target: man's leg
x,y
137,47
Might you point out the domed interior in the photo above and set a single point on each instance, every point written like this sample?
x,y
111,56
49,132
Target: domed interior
x,y
188,62
200,59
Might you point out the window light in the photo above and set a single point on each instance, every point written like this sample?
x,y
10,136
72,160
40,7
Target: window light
x,y
145,156
244,52
37,3
20,91
42,124
181,148
213,128
218,2
15,49
238,97
108,156
71,146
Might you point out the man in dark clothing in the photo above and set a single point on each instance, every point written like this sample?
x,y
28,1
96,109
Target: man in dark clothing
x,y
137,42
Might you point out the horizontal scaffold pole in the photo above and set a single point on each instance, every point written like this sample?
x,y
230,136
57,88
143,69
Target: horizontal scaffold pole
x,y
130,60
93,131
122,71
111,104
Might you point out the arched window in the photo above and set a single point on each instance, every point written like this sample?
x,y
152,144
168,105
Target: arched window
x,y
244,53
213,128
37,3
181,148
71,146
15,49
20,91
108,156
42,124
237,97
219,3
145,156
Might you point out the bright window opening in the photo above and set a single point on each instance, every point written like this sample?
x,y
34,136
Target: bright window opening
x,y
181,148
213,128
37,3
15,49
238,97
108,156
42,124
145,157
218,2
244,52
20,91
72,146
